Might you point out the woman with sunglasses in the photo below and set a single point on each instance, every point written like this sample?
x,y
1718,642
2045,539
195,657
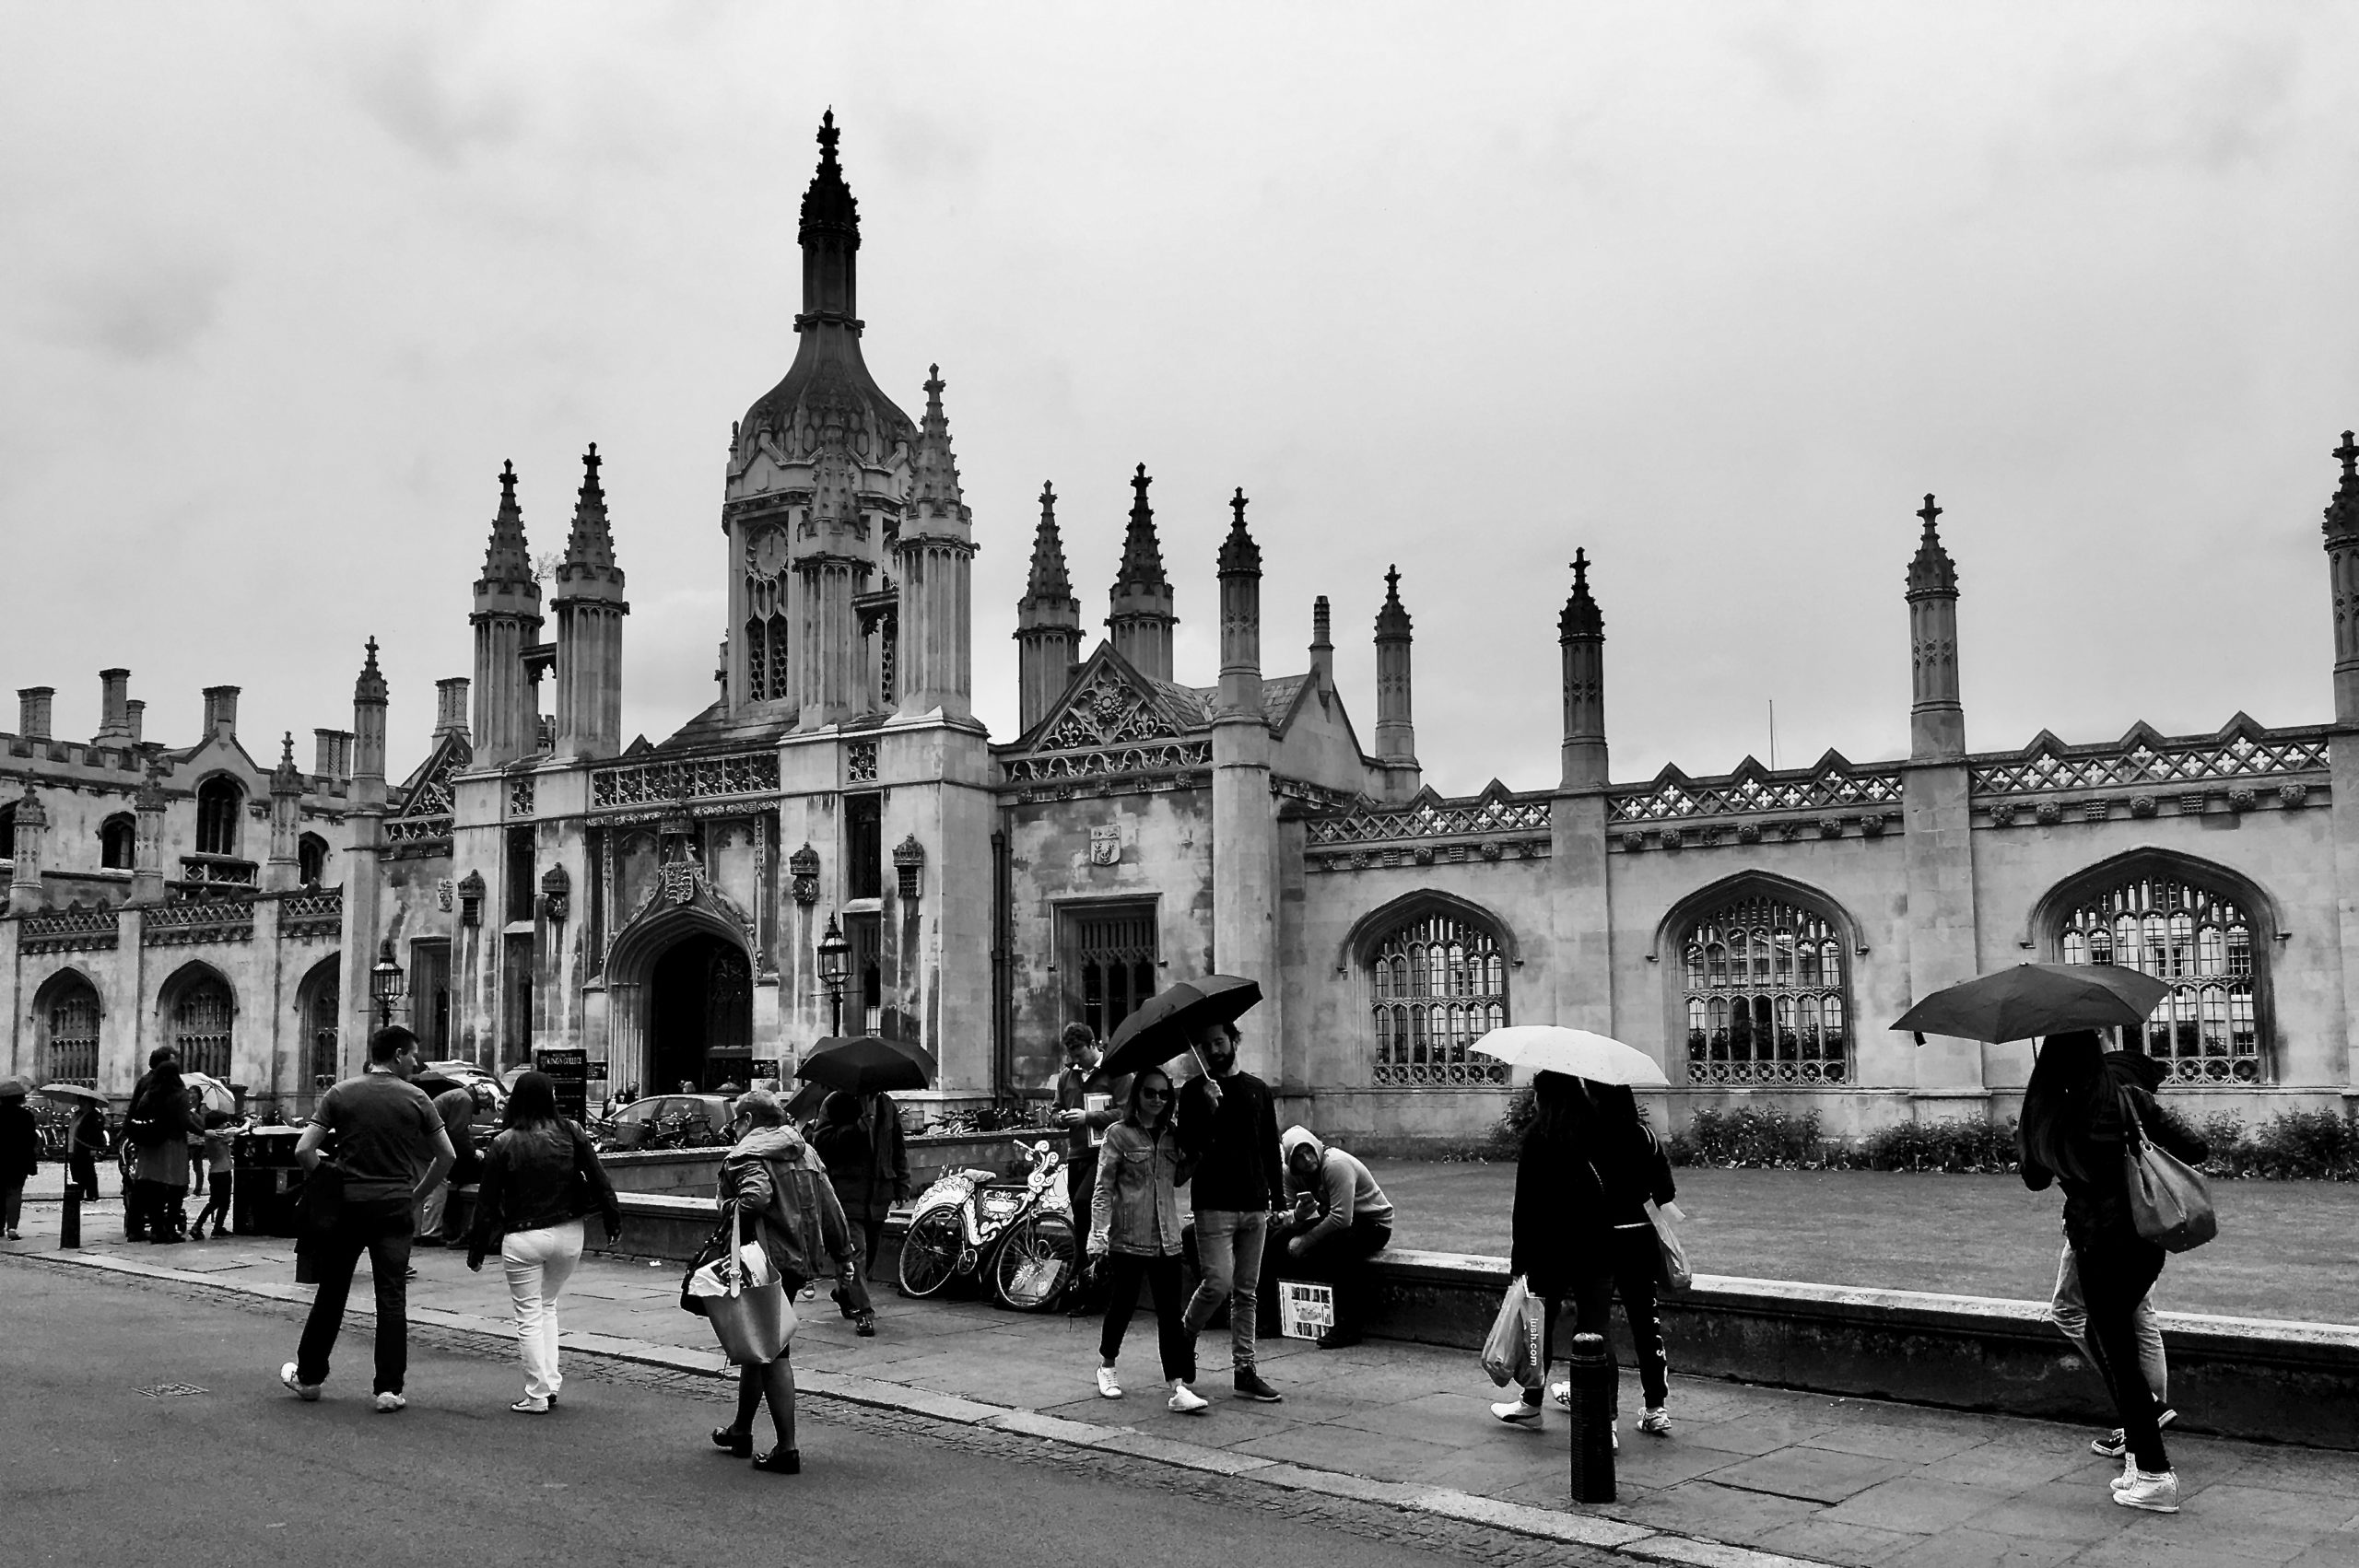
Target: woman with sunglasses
x,y
1134,1235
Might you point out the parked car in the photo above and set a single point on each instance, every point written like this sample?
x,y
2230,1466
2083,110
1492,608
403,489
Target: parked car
x,y
669,1121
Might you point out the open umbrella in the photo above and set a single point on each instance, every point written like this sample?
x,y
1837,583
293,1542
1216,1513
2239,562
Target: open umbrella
x,y
16,1087
1551,1047
2037,998
864,1064
218,1096
1165,1024
71,1091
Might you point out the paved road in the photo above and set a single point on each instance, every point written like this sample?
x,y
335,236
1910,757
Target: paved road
x,y
96,1466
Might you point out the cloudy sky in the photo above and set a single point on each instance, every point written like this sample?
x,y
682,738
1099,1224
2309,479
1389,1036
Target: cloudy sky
x,y
1715,292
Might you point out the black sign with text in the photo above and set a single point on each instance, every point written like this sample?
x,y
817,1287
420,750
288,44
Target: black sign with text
x,y
568,1073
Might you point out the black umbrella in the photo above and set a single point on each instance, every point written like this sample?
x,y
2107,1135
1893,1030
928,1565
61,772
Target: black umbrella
x,y
866,1064
2031,1000
1165,1024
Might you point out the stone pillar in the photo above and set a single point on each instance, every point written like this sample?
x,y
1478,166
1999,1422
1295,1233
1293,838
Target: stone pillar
x,y
1581,644
1581,899
1396,734
1936,812
284,872
147,839
369,698
507,620
1240,618
589,611
827,664
363,865
933,559
1245,880
24,878
1048,622
1140,616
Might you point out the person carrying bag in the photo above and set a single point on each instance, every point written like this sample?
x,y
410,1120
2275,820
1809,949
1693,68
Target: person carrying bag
x,y
773,1187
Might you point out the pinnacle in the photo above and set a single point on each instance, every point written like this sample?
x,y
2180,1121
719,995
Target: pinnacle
x,y
1392,621
1049,579
2342,512
507,559
369,688
1581,617
936,485
589,547
1931,572
1141,553
1238,554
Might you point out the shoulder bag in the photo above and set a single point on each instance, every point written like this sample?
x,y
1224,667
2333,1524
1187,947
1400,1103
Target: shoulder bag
x,y
746,1301
2169,1200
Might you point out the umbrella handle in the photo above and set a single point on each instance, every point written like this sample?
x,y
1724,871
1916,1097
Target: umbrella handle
x,y
1211,1087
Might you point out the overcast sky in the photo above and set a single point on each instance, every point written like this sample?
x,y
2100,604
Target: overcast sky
x,y
1715,292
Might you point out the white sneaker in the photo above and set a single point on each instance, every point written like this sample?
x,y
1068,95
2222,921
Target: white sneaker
x,y
2157,1492
308,1392
1106,1387
388,1403
1657,1422
1563,1394
1515,1413
1185,1400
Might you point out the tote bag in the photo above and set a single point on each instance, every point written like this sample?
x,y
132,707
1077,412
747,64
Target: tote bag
x,y
746,1301
2169,1201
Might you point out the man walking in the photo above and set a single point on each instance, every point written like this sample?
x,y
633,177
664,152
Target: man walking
x,y
1085,1123
1228,1128
389,1147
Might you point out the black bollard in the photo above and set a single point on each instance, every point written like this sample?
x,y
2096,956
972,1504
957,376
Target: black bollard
x,y
1592,1402
69,1225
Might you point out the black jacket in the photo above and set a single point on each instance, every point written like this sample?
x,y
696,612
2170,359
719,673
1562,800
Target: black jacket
x,y
1233,1147
528,1184
2096,1207
19,1141
1572,1191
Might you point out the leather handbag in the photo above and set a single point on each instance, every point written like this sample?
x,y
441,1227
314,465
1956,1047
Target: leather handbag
x,y
746,1301
2169,1200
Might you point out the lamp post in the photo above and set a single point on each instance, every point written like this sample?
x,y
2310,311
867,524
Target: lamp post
x,y
386,982
832,951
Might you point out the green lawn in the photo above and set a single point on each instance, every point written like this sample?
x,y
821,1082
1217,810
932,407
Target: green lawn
x,y
2285,1248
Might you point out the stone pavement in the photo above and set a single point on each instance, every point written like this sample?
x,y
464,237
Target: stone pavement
x,y
1750,1477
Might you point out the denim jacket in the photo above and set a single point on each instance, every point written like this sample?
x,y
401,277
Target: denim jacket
x,y
1134,1209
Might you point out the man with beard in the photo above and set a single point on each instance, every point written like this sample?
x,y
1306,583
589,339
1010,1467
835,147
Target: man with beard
x,y
1228,1130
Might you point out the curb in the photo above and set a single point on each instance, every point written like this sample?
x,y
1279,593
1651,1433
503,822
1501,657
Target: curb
x,y
1637,1542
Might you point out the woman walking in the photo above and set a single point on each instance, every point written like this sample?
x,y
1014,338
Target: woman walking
x,y
1588,1166
2075,1131
771,1177
159,1123
19,1155
540,1179
1134,1232
844,1146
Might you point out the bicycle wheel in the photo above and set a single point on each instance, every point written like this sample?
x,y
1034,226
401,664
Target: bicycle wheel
x,y
1035,1263
930,1252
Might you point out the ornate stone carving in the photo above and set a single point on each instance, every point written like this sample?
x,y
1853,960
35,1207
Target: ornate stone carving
x,y
2243,750
2242,800
659,783
1753,789
1830,827
471,899
802,870
520,795
1873,824
909,867
2049,813
2003,814
2142,806
2293,797
1748,833
555,895
1491,848
1108,711
860,763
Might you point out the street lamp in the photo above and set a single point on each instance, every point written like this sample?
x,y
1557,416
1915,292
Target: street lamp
x,y
832,951
386,982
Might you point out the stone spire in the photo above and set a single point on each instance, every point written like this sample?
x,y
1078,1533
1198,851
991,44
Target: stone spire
x,y
590,610
933,559
589,547
1936,716
1396,733
1142,614
507,620
1048,622
369,702
283,873
1581,643
829,236
2343,575
934,483
1240,618
507,561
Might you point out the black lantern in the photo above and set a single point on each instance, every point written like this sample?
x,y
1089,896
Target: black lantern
x,y
386,982
833,949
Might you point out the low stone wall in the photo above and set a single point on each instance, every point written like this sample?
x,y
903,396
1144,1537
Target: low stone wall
x,y
2262,1379
692,1172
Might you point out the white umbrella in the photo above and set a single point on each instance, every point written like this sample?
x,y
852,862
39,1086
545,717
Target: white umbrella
x,y
218,1096
1551,1047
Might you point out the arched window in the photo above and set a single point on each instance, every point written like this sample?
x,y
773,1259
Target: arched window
x,y
118,839
203,1016
70,1013
322,1000
1765,992
310,859
1437,984
218,800
2209,1029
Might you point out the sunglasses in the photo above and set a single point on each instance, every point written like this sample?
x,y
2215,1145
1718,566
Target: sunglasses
x,y
1154,1093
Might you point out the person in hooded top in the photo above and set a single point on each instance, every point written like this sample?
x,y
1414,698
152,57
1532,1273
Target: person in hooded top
x,y
1344,1219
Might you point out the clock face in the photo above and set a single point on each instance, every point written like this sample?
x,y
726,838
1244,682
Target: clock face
x,y
770,552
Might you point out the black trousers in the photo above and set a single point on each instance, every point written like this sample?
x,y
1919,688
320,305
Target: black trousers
x,y
1341,1260
1627,1270
1123,1272
217,1204
82,1170
381,1227
2116,1274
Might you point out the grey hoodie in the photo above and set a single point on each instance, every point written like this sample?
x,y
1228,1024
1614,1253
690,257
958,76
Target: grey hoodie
x,y
1343,1189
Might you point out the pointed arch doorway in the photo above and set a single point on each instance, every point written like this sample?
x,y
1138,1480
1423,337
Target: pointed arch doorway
x,y
699,1015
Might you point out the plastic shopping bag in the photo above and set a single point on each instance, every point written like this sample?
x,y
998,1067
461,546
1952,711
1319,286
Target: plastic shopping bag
x,y
1511,1352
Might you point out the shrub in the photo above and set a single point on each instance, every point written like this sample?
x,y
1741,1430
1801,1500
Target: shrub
x,y
2291,1145
1954,1145
1782,1139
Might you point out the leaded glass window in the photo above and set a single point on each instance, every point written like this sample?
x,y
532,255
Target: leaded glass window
x,y
1765,995
73,1055
1115,952
1437,984
320,1024
2207,1029
218,802
202,1020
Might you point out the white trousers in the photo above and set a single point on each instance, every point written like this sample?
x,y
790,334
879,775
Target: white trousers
x,y
539,1264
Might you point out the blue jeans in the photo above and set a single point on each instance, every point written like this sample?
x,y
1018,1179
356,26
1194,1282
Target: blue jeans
x,y
1228,1261
381,1227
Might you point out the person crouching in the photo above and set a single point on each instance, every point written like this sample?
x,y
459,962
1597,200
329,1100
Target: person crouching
x,y
1349,1221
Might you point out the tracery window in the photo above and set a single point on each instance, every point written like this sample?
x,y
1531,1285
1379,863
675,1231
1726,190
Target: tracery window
x,y
767,641
218,800
73,1053
203,1017
1765,995
320,1028
118,839
1437,984
310,859
1114,951
2208,1030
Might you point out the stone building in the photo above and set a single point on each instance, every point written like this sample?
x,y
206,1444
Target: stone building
x,y
541,885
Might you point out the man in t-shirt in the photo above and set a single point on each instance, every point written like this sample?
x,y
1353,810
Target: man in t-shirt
x,y
389,1146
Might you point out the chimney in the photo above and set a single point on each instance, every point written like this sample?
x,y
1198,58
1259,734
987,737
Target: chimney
x,y
1323,652
450,707
135,717
333,752
32,712
114,690
221,712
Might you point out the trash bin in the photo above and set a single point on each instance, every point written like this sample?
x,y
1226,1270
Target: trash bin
x,y
267,1182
